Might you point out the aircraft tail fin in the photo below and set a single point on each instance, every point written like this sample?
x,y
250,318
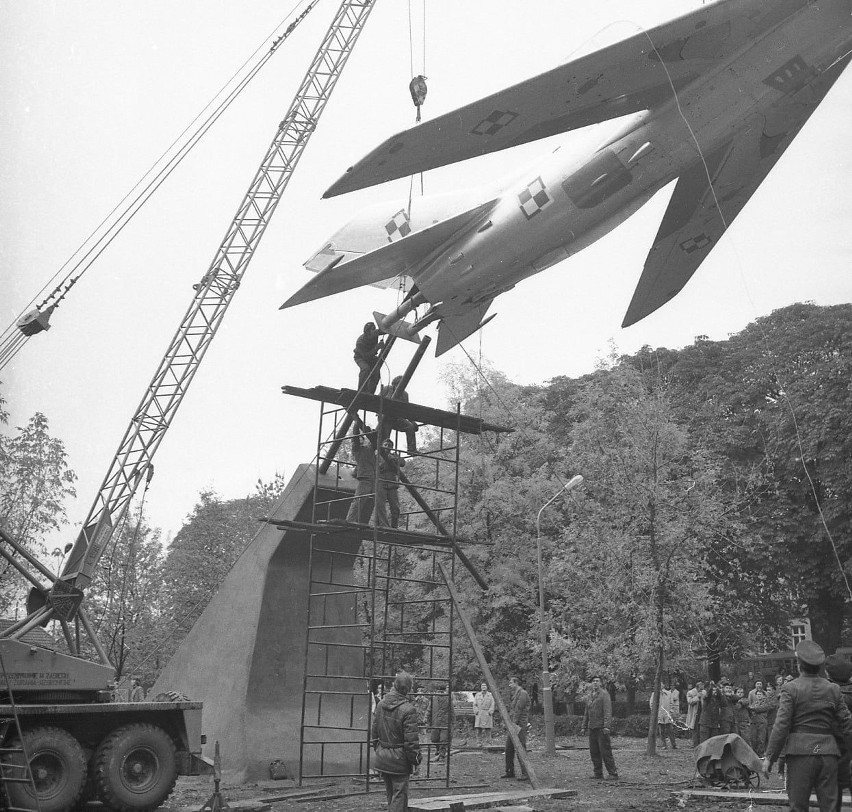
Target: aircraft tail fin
x,y
386,242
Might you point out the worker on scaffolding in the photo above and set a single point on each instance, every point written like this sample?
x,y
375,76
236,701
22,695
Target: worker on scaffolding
x,y
389,466
393,392
366,355
365,506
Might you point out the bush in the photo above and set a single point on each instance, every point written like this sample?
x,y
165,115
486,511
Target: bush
x,y
567,725
635,726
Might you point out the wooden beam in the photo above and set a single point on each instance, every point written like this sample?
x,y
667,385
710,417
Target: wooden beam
x,y
484,800
511,728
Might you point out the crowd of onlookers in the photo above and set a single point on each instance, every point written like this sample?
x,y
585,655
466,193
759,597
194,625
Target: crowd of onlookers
x,y
715,709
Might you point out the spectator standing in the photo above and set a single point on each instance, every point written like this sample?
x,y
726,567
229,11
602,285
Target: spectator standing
x,y
483,705
442,723
772,709
137,692
421,704
396,744
597,720
810,710
519,714
711,704
693,710
727,714
839,671
742,719
758,707
666,714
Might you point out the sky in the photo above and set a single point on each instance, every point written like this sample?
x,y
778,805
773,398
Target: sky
x,y
94,91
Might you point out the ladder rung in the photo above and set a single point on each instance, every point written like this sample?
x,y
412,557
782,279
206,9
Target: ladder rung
x,y
11,749
19,809
8,780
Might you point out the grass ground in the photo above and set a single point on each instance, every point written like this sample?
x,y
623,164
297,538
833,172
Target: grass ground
x,y
646,784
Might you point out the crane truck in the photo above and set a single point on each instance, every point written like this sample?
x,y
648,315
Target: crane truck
x,y
63,740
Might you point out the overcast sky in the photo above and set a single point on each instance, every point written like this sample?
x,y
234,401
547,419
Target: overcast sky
x,y
94,91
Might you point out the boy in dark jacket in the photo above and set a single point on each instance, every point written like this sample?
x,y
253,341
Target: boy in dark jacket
x,y
396,742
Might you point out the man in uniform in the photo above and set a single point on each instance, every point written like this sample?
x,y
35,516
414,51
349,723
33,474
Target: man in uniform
x,y
400,423
519,713
389,466
810,708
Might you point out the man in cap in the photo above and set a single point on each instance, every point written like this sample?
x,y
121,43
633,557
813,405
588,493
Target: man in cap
x,y
839,671
810,708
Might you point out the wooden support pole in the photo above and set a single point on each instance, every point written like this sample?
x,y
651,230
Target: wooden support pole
x,y
431,515
331,452
511,728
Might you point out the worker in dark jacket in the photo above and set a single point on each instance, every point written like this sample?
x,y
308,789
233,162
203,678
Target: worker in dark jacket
x,y
365,507
597,720
393,392
810,709
396,743
519,714
366,355
389,469
839,671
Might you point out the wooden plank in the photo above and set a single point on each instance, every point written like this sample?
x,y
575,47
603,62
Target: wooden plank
x,y
756,796
484,800
511,728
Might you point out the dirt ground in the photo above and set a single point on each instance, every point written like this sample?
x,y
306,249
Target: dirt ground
x,y
645,784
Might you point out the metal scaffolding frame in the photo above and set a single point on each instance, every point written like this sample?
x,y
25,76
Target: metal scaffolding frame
x,y
395,630
363,622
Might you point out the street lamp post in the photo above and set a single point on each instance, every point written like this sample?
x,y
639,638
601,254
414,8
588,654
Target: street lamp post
x,y
546,692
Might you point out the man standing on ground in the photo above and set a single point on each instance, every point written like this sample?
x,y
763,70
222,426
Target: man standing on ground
x,y
758,708
519,714
810,709
597,719
442,723
396,743
693,711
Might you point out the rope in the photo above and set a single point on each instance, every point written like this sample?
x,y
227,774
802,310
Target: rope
x,y
11,340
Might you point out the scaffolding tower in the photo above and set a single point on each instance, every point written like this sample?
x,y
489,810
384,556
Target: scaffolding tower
x,y
378,602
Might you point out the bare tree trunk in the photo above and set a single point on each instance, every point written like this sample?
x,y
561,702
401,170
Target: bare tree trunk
x,y
651,749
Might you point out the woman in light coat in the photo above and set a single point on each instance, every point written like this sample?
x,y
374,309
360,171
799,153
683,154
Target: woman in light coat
x,y
483,705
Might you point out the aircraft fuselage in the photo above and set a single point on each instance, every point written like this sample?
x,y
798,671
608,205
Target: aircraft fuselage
x,y
566,204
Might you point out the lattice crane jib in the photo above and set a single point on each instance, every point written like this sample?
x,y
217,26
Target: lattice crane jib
x,y
212,295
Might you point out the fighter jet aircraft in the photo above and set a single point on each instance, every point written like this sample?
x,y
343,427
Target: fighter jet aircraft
x,y
712,99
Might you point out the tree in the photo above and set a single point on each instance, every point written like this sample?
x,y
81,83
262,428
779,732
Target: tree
x,y
123,599
631,563
775,401
203,552
34,481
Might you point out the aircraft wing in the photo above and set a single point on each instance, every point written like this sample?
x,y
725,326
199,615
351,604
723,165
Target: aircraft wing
x,y
692,224
635,74
342,268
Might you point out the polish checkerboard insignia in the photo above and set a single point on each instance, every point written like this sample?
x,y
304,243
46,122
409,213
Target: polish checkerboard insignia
x,y
534,198
696,243
494,122
398,226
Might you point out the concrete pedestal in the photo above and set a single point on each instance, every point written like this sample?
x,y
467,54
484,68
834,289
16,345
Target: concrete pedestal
x,y
245,657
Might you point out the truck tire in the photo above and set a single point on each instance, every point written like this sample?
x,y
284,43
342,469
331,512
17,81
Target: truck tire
x,y
58,766
135,768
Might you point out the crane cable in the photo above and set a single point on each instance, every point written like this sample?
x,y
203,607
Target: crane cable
x,y
34,319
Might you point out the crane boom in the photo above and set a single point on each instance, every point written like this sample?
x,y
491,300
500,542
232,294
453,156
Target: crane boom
x,y
213,294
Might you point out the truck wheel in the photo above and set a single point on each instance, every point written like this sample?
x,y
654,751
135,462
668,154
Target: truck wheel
x,y
135,768
58,766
